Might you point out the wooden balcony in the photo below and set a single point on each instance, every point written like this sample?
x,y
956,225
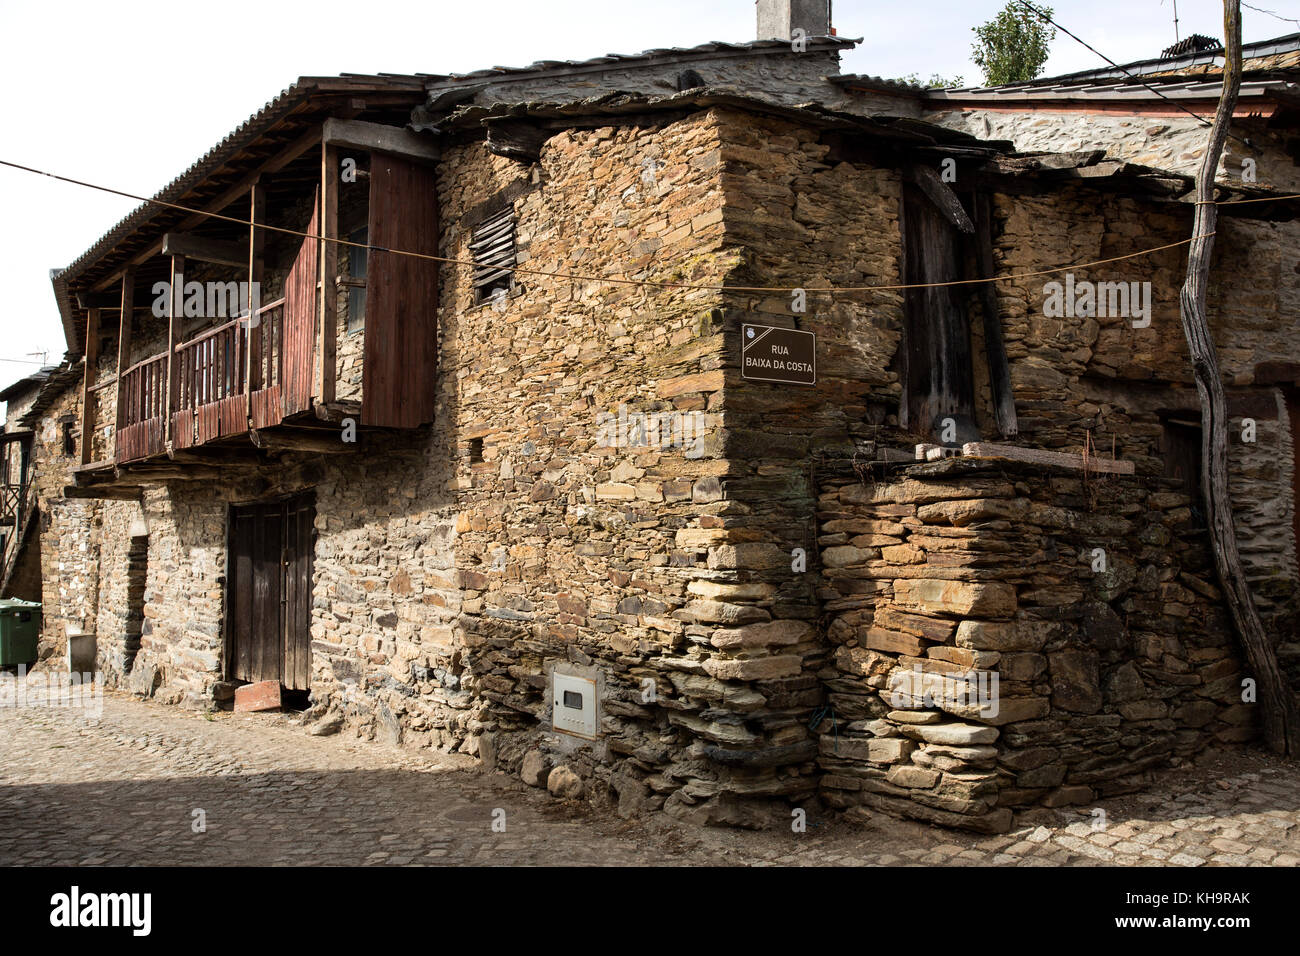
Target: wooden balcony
x,y
248,384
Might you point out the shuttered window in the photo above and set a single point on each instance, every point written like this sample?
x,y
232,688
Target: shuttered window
x,y
492,247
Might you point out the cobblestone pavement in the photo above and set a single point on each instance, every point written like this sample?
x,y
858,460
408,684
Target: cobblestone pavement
x,y
124,790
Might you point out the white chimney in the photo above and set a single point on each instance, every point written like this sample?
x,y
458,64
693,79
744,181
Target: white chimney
x,y
778,19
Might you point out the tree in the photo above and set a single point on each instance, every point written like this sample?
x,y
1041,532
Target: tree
x,y
1012,47
1281,722
935,82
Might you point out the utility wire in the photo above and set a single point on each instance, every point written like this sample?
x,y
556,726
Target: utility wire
x,y
1198,117
1271,14
620,280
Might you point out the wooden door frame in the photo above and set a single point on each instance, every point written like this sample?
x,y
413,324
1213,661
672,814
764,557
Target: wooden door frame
x,y
228,647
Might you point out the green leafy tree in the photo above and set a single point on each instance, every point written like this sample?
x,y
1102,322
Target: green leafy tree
x,y
935,82
1012,47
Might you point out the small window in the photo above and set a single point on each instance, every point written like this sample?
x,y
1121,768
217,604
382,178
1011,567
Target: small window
x,y
492,247
358,257
1181,447
475,451
69,439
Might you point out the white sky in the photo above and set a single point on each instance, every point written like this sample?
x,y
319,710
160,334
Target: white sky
x,y
129,94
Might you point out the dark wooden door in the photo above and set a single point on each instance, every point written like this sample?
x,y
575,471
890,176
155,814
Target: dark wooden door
x,y
268,592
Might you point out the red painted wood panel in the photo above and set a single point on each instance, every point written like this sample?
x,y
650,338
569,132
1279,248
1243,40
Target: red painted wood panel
x,y
399,378
299,328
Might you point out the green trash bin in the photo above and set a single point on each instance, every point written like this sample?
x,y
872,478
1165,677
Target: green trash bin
x,y
20,628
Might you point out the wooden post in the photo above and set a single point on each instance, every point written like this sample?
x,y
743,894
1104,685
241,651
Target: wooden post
x,y
1281,722
326,371
173,339
124,350
256,239
91,359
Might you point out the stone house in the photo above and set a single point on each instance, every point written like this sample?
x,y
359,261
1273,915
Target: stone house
x,y
529,491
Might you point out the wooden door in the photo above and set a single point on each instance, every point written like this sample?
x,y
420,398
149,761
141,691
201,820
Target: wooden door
x,y
268,592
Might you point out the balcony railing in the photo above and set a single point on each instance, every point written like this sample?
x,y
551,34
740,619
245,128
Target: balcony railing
x,y
217,389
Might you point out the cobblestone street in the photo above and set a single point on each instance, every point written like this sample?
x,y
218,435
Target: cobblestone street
x,y
124,790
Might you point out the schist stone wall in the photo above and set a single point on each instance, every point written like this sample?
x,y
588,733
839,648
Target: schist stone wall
x,y
603,495
1006,635
1176,143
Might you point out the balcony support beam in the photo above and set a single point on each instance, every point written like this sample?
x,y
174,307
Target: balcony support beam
x,y
326,371
123,350
91,360
174,301
256,240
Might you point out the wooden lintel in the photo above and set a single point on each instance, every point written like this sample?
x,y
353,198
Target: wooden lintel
x,y
113,492
149,472
205,250
327,444
376,137
944,199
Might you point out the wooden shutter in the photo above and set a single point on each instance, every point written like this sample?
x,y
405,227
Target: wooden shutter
x,y
493,250
298,345
399,377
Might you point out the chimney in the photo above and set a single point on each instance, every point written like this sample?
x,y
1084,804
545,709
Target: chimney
x,y
778,19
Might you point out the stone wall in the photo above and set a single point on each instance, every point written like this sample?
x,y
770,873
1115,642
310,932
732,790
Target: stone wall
x,y
1175,143
1079,607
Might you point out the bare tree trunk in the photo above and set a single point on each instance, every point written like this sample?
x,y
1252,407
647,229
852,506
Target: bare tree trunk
x,y
1281,723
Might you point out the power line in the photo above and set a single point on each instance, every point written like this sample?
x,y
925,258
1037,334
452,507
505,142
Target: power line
x,y
1271,14
619,280
1199,118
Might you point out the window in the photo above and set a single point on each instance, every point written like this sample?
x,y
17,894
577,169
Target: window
x,y
492,247
1181,448
475,451
69,439
356,281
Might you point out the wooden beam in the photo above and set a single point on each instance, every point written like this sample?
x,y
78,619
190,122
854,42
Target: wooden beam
x,y
256,240
326,371
123,349
91,360
173,339
329,444
205,250
995,348
1280,718
378,138
101,492
1035,456
944,199
277,162
150,472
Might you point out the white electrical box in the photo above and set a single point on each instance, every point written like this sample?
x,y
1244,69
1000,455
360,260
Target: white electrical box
x,y
573,705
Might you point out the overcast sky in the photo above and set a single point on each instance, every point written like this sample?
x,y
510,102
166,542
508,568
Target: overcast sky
x,y
129,94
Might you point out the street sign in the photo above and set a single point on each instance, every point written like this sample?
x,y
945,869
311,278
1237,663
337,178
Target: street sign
x,y
770,354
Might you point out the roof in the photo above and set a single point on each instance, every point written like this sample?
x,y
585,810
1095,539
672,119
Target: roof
x,y
229,152
1269,67
712,50
233,152
1175,88
27,383
1196,59
56,379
